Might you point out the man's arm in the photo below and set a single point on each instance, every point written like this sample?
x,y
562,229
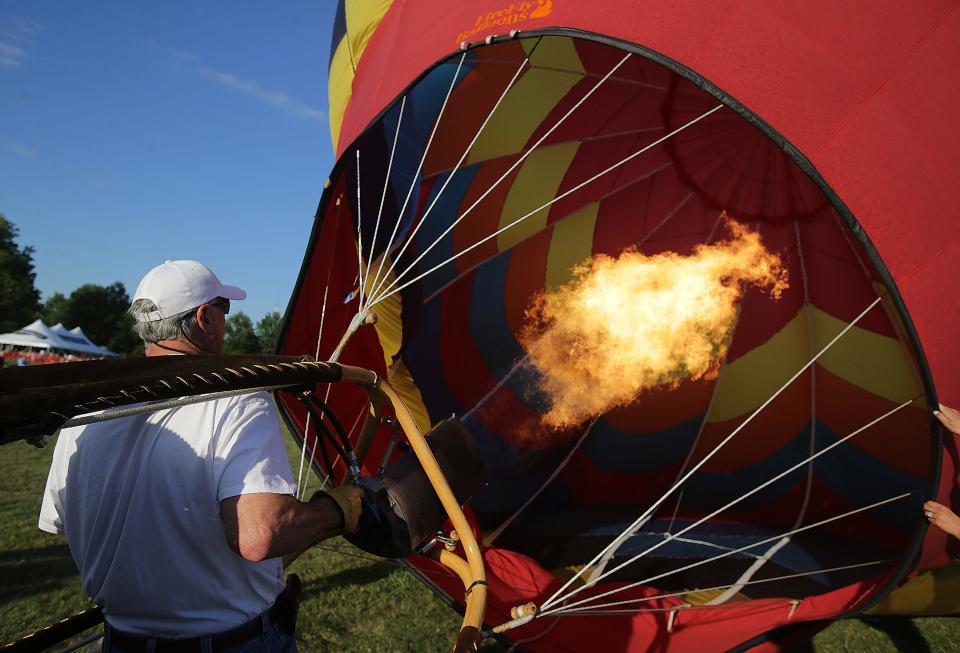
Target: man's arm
x,y
263,525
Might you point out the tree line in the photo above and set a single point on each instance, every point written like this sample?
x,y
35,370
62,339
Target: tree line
x,y
101,311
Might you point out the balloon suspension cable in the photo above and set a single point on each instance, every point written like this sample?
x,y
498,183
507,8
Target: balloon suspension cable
x,y
757,605
360,267
316,354
366,316
716,588
762,559
506,174
423,158
491,537
649,511
599,568
306,481
446,182
383,197
808,488
545,205
646,581
760,487
468,269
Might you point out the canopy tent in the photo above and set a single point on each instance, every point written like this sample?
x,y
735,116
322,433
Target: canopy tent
x,y
35,335
57,338
471,179
76,338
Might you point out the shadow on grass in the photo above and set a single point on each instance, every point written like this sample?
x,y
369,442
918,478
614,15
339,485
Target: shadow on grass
x,y
903,633
354,576
32,571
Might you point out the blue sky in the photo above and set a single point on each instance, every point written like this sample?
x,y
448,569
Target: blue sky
x,y
134,132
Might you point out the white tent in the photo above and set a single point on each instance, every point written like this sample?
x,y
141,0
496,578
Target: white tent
x,y
76,340
38,335
103,351
35,335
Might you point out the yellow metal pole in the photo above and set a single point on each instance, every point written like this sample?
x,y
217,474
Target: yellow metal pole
x,y
475,582
471,571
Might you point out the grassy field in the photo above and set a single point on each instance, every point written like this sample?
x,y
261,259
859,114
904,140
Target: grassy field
x,y
352,602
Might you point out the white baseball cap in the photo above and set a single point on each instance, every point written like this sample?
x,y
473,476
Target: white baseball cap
x,y
177,286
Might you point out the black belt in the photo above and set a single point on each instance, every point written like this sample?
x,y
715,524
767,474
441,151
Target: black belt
x,y
219,641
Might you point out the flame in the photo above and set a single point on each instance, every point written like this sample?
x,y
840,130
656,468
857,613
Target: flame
x,y
627,324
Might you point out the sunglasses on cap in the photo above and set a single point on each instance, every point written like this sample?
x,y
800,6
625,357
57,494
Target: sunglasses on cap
x,y
224,304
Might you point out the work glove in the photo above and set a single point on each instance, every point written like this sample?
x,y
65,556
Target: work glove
x,y
349,498
370,520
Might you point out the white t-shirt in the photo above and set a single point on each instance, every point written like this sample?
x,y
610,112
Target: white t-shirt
x,y
139,501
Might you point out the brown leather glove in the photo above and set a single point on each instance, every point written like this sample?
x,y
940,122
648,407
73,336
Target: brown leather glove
x,y
349,498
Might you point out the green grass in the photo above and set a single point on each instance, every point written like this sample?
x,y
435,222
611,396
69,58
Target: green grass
x,y
351,601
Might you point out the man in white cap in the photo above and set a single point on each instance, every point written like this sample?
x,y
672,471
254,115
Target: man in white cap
x,y
178,519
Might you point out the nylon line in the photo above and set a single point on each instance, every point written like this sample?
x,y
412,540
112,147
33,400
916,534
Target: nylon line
x,y
489,539
598,570
772,551
723,442
383,197
749,494
829,570
729,553
426,150
360,271
549,203
507,173
449,178
316,355
462,273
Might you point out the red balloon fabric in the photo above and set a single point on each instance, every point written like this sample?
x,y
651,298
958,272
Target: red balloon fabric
x,y
832,141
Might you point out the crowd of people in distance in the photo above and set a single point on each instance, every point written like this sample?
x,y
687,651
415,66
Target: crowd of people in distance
x,y
24,358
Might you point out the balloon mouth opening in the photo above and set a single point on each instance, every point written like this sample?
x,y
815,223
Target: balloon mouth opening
x,y
501,206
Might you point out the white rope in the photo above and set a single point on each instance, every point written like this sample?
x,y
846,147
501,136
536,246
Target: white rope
x,y
316,354
614,604
462,273
383,197
360,270
509,170
545,205
416,174
491,537
303,454
760,487
711,545
605,560
450,176
326,477
766,604
516,366
772,551
313,452
649,580
703,461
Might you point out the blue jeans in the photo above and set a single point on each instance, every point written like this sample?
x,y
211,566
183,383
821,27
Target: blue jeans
x,y
274,639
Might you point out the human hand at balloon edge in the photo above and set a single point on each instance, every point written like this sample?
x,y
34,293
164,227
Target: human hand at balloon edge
x,y
949,417
942,517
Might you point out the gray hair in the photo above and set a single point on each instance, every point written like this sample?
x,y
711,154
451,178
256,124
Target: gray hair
x,y
174,327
